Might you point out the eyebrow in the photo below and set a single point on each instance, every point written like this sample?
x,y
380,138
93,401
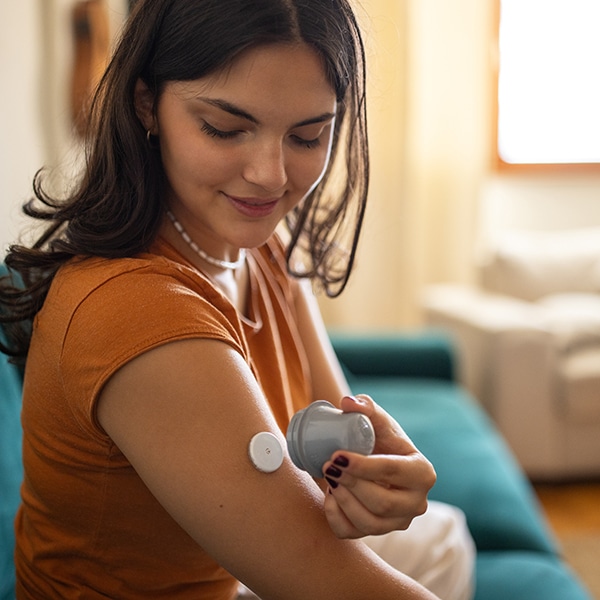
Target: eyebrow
x,y
238,112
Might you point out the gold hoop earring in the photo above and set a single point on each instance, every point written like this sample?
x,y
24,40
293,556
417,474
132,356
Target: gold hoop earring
x,y
151,140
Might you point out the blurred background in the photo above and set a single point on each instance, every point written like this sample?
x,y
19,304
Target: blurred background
x,y
433,116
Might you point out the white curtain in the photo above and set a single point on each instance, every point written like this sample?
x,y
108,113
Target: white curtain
x,y
430,113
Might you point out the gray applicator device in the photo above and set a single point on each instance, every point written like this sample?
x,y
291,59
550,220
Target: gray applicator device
x,y
319,430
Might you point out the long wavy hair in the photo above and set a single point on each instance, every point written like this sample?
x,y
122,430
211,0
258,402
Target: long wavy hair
x,y
116,207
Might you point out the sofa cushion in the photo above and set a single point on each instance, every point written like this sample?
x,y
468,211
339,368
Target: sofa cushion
x,y
473,464
11,470
533,264
525,576
425,354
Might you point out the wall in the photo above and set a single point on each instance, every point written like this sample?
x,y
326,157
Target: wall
x,y
378,276
555,201
429,96
21,145
36,52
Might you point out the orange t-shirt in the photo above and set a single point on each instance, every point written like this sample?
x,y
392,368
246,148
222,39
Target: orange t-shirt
x,y
88,527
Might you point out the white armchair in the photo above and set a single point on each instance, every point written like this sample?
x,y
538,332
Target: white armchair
x,y
528,338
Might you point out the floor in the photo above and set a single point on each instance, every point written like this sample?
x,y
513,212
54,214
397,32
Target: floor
x,y
571,508
573,511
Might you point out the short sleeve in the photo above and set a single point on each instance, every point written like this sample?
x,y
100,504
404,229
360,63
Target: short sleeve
x,y
130,313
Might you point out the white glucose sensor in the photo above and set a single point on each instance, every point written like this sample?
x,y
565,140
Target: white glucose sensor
x,y
266,452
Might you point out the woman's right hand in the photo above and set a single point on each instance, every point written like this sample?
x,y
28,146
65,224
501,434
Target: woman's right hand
x,y
372,495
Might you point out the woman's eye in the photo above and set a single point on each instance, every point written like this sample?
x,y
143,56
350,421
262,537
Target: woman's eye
x,y
309,144
218,133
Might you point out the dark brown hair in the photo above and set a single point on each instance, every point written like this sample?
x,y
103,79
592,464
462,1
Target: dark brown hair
x,y
117,206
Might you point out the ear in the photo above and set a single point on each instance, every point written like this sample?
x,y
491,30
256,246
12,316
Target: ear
x,y
144,106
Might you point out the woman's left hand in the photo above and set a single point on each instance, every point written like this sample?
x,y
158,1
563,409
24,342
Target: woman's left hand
x,y
372,495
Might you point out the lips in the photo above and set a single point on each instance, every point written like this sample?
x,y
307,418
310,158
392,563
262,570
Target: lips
x,y
254,207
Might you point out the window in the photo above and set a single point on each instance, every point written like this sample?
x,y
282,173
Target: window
x,y
548,83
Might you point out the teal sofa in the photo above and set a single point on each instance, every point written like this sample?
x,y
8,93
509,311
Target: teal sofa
x,y
412,377
11,470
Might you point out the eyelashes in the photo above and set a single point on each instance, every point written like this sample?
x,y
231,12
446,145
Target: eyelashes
x,y
308,144
219,134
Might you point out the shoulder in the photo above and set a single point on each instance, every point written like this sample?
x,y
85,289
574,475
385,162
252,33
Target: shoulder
x,y
137,301
143,279
81,277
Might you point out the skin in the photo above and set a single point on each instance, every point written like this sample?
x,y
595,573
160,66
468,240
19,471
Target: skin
x,y
151,407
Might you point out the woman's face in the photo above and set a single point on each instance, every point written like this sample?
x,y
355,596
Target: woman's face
x,y
242,147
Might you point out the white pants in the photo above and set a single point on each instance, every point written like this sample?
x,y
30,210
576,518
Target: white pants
x,y
436,550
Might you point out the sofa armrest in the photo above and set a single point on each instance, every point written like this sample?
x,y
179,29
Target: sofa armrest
x,y
475,319
486,310
427,354
507,358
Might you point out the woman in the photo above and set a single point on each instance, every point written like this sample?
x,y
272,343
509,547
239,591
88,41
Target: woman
x,y
170,326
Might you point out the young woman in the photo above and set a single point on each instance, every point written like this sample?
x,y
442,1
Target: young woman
x,y
164,324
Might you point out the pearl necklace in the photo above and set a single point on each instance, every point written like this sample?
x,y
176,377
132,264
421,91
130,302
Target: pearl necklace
x,y
217,262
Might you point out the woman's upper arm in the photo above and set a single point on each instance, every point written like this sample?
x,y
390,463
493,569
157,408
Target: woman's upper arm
x,y
183,414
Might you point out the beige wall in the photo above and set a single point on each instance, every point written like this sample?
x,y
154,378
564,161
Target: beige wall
x,y
378,273
21,147
36,51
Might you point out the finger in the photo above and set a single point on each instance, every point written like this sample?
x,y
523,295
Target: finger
x,y
389,435
380,500
407,472
343,526
355,518
338,522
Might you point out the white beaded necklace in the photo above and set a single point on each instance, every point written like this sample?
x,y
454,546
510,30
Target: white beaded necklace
x,y
217,262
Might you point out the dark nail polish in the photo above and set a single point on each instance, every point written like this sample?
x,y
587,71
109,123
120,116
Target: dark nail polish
x,y
331,482
342,461
333,471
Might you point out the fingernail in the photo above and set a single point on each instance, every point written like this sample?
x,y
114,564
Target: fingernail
x,y
333,471
331,482
356,400
341,461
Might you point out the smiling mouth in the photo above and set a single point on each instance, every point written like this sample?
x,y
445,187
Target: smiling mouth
x,y
254,207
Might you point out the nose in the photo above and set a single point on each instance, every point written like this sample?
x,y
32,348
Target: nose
x,y
266,166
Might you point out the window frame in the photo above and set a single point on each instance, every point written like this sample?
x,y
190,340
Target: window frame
x,y
499,165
